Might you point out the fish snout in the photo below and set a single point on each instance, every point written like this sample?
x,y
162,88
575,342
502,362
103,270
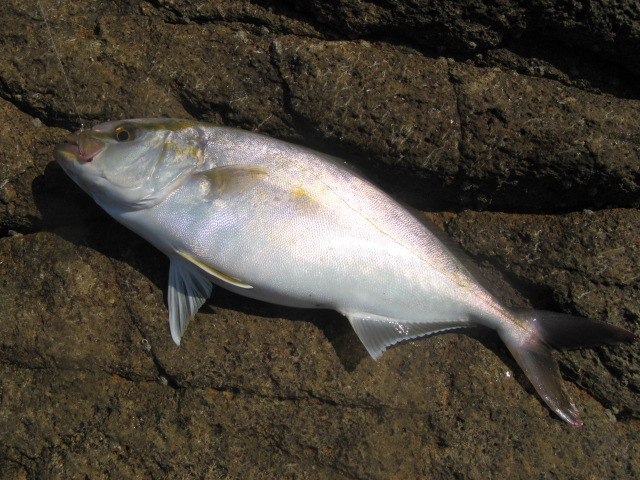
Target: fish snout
x,y
80,147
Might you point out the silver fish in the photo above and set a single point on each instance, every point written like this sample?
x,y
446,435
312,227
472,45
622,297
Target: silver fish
x,y
285,224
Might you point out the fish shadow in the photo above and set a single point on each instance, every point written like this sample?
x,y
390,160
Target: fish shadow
x,y
334,326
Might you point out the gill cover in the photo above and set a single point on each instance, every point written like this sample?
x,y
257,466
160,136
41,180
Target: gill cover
x,y
141,162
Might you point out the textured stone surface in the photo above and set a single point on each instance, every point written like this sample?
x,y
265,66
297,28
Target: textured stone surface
x,y
516,124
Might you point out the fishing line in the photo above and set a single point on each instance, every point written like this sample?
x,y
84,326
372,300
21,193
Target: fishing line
x,y
64,73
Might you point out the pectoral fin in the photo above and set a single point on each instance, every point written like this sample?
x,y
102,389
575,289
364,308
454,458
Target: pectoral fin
x,y
188,290
212,271
232,179
377,333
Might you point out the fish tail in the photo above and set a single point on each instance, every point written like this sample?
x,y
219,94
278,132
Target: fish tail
x,y
531,340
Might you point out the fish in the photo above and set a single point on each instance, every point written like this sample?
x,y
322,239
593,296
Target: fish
x,y
285,224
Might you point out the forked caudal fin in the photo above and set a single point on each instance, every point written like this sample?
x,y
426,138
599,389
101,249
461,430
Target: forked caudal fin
x,y
531,343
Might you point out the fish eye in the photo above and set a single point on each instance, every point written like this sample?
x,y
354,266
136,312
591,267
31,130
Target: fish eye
x,y
124,134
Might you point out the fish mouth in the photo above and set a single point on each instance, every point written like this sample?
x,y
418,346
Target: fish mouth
x,y
79,147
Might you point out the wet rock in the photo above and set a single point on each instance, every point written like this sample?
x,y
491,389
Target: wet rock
x,y
457,106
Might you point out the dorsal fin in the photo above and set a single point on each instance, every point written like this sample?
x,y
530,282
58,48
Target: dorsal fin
x,y
454,248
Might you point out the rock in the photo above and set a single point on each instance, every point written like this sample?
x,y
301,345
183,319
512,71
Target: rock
x,y
516,124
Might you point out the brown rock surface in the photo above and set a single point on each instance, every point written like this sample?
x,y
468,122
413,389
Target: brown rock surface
x,y
517,121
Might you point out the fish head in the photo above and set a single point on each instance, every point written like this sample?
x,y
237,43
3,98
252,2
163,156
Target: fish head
x,y
132,164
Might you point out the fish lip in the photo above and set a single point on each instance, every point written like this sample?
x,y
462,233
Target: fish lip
x,y
79,147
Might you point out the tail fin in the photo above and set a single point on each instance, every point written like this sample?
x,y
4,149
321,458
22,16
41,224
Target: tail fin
x,y
530,343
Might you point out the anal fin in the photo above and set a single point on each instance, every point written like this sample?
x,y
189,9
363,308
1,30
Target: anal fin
x,y
377,332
